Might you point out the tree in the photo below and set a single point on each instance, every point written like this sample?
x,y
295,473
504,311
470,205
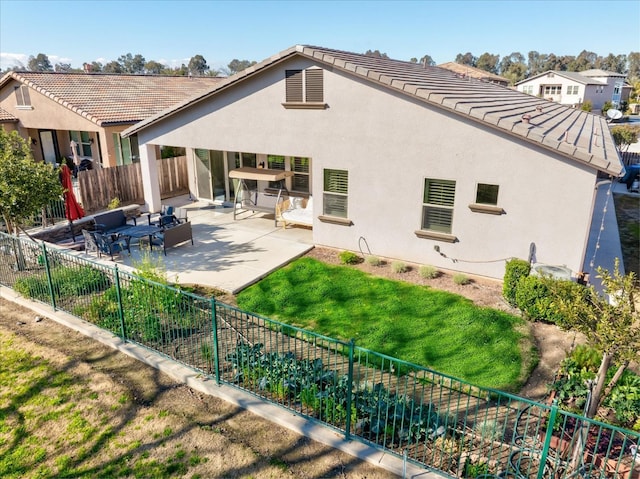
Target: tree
x,y
584,61
536,62
26,186
236,66
488,62
132,64
612,63
633,70
466,59
375,54
426,60
611,326
39,63
113,67
198,66
153,67
63,67
624,136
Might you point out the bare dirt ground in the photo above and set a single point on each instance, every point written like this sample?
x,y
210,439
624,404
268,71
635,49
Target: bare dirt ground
x,y
229,442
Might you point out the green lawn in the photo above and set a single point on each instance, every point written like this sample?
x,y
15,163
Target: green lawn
x,y
443,331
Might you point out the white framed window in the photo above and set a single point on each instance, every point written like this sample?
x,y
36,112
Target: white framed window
x,y
84,141
23,100
437,205
126,149
336,193
552,89
572,90
304,88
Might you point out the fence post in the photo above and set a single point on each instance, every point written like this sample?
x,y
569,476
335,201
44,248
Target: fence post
x,y
547,438
214,324
45,259
120,309
347,429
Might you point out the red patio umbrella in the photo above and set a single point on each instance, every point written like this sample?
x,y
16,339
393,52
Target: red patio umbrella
x,y
72,209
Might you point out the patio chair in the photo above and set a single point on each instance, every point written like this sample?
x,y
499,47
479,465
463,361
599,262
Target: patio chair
x,y
90,245
111,244
169,216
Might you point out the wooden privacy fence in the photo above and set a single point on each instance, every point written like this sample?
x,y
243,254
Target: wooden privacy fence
x,y
98,187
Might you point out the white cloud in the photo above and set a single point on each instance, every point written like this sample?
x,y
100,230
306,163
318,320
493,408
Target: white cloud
x,y
10,60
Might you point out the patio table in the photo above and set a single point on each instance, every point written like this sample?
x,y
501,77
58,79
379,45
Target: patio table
x,y
140,231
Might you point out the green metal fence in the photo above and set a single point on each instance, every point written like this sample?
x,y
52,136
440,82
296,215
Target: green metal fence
x,y
433,420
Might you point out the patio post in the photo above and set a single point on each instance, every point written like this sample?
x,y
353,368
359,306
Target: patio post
x,y
149,171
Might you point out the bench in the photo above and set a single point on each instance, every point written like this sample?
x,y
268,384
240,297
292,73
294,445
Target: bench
x,y
295,210
173,236
112,221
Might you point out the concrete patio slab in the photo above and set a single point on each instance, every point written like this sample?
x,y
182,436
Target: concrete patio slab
x,y
227,254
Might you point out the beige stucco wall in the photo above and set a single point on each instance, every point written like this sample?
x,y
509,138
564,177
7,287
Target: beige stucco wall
x,y
390,145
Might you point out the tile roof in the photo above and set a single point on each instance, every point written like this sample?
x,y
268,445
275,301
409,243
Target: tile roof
x,y
474,72
581,136
6,117
575,76
113,99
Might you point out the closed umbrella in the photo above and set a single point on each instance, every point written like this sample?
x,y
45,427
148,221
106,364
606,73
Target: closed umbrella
x,y
72,209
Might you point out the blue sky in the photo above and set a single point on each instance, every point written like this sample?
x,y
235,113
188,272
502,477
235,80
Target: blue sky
x,y
171,32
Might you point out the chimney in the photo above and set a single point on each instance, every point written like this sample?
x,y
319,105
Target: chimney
x,y
86,67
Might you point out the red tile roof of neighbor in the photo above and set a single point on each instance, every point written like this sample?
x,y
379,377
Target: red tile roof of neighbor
x,y
6,117
581,136
113,99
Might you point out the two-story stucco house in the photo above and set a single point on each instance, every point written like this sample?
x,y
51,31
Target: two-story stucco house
x,y
575,88
416,162
91,109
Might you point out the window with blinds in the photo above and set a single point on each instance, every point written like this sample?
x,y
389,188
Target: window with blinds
x,y
305,86
437,209
275,162
336,190
22,96
300,180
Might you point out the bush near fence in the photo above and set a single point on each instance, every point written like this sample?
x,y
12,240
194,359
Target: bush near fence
x,y
432,419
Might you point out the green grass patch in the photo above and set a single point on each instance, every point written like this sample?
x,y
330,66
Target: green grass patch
x,y
440,330
46,430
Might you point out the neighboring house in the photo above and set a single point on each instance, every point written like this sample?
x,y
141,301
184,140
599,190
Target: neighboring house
x,y
52,109
575,88
403,161
467,71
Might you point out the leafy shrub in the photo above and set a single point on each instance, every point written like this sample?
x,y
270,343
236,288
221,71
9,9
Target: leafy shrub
x,y
586,357
536,297
113,204
624,399
428,272
373,261
474,469
67,282
586,105
399,267
349,257
515,270
461,279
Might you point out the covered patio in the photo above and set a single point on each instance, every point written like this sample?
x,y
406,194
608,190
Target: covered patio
x,y
227,254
